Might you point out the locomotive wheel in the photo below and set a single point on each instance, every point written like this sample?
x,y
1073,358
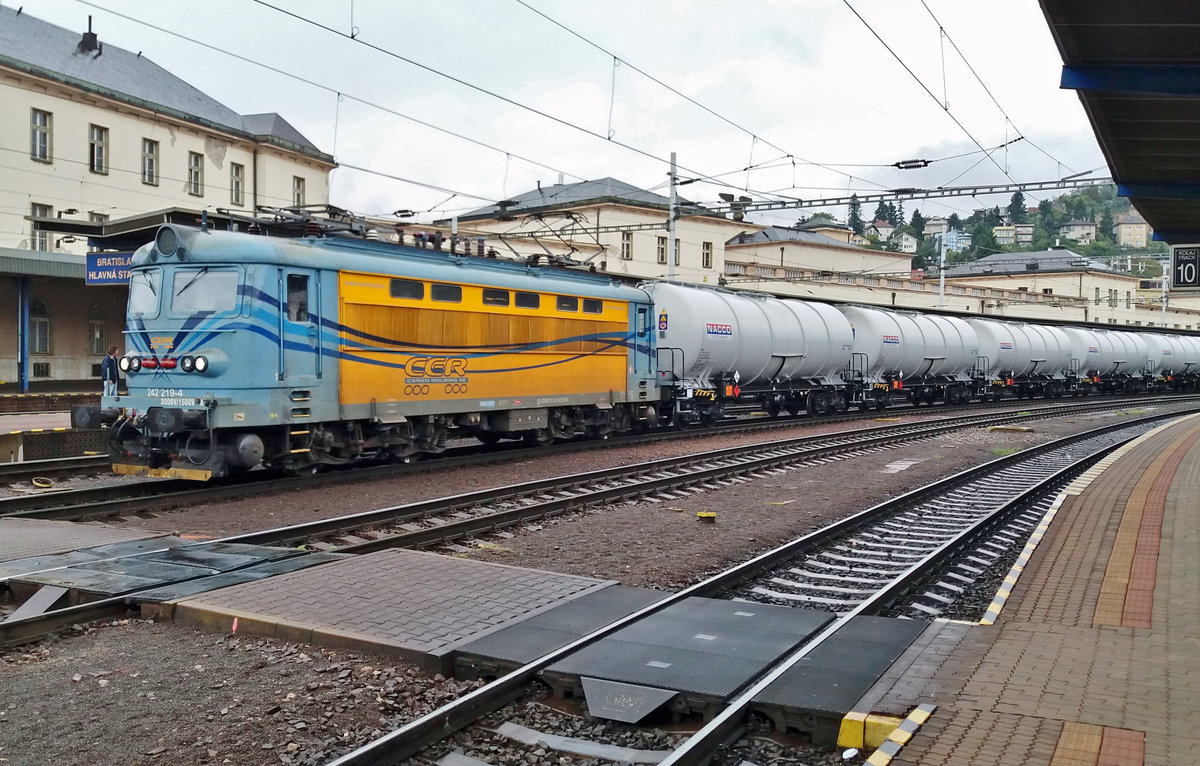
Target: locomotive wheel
x,y
490,438
539,438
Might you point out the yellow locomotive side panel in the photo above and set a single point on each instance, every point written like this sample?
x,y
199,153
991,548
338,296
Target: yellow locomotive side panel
x,y
424,350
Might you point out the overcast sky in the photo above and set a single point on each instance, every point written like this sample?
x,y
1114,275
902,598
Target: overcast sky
x,y
802,91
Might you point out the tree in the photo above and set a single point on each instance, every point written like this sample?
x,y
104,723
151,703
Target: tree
x,y
983,241
822,216
882,212
897,218
954,222
1016,208
854,215
918,224
1106,226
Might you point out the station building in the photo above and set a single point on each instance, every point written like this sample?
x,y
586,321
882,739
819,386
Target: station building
x,y
98,146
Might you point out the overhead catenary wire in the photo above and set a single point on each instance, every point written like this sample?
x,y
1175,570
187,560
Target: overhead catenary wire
x,y
946,35
925,88
616,58
338,92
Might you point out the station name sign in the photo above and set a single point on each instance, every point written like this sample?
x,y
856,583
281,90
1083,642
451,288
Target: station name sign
x,y
108,268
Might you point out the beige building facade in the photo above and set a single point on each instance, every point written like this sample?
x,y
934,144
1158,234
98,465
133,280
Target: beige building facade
x,y
93,133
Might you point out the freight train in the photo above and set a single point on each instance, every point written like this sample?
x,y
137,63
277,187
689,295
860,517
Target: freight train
x,y
300,352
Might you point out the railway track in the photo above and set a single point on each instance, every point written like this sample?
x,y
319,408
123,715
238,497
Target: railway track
x,y
1010,488
153,495
157,495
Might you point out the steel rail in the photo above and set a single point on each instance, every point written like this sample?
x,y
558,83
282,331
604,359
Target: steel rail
x,y
577,490
100,502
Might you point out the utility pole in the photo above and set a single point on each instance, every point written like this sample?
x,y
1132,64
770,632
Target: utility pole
x,y
942,271
671,224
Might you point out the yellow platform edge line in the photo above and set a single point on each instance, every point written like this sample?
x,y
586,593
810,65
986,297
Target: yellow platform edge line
x,y
900,735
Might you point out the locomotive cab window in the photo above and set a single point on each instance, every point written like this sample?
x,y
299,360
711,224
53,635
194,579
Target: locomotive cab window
x,y
493,297
204,289
445,293
145,285
297,297
567,304
407,288
528,300
591,306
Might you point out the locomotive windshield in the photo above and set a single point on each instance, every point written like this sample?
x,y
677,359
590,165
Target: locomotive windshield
x,y
145,285
204,289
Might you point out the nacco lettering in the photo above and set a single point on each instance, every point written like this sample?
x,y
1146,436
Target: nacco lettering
x,y
719,329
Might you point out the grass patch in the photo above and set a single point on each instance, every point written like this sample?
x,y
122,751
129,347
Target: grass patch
x,y
1002,451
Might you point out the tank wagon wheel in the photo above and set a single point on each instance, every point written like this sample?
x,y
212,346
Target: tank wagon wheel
x,y
842,402
772,407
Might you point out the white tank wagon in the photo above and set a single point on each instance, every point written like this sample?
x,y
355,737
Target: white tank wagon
x,y
1091,353
888,345
1051,355
928,357
1000,350
714,344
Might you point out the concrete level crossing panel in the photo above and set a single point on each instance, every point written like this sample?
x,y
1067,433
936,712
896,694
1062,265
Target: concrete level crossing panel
x,y
24,538
421,606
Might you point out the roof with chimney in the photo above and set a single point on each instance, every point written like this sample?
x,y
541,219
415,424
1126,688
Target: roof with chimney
x,y
84,61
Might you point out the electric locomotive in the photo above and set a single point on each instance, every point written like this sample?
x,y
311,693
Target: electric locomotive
x,y
244,349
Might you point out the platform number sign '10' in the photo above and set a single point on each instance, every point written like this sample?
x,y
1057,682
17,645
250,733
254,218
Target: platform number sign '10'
x,y
1185,267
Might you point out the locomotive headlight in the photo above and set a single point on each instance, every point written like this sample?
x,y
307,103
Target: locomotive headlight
x,y
123,363
201,363
135,363
187,364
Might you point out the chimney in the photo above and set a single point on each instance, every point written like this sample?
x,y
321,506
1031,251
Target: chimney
x,y
89,42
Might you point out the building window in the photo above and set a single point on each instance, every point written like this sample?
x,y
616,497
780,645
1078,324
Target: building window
x,y
676,252
706,255
195,177
95,217
237,178
297,191
1047,291
149,162
662,249
97,149
96,332
1097,296
39,328
627,245
1128,299
41,238
40,147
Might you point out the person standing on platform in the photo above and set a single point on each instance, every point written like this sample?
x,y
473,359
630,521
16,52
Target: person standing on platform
x,y
108,372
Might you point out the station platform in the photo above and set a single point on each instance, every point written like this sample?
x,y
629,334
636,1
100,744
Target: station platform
x,y
1093,658
45,435
47,401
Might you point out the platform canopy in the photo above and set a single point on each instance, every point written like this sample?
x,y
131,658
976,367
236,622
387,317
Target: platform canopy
x,y
1136,67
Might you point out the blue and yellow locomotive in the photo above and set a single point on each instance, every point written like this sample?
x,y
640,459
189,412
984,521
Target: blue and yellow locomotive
x,y
297,352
